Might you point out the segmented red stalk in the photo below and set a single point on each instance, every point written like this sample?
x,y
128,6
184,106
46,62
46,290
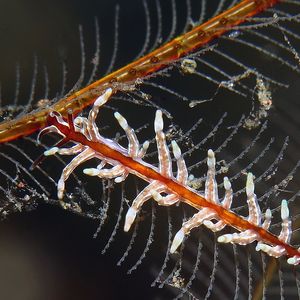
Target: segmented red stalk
x,y
170,52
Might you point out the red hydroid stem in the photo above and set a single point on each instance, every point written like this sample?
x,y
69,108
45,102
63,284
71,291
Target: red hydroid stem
x,y
187,195
198,37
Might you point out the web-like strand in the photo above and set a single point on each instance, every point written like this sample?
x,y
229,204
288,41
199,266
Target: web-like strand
x,y
198,37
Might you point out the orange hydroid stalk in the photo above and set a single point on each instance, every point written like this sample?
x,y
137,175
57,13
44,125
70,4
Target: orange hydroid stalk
x,y
161,57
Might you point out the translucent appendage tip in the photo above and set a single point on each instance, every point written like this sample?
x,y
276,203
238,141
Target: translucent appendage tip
x,y
295,260
284,210
226,238
122,121
249,185
156,196
51,151
103,98
146,145
177,240
227,184
158,122
176,150
262,247
208,224
130,217
211,160
60,189
91,171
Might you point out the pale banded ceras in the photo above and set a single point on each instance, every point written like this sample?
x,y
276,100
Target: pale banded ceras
x,y
89,129
205,215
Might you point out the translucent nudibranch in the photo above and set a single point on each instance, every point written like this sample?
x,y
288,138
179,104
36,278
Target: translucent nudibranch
x,y
116,162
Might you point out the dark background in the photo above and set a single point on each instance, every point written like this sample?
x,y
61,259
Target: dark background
x,y
49,253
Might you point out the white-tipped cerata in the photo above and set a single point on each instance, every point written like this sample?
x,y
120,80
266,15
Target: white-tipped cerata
x,y
146,145
143,149
267,222
284,210
119,179
208,224
158,122
130,217
51,151
249,185
262,247
60,189
226,238
257,248
103,98
268,213
227,184
91,171
179,236
211,160
122,121
295,260
156,196
176,150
